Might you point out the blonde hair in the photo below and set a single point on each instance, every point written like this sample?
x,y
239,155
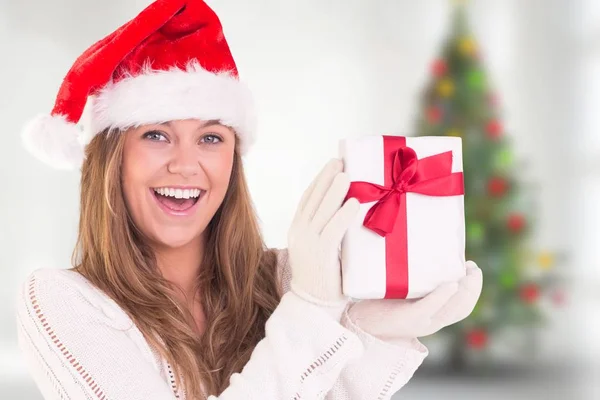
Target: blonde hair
x,y
237,282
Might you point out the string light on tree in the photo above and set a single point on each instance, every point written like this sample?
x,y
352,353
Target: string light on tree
x,y
467,46
475,232
494,129
477,338
503,159
439,68
476,79
508,279
529,293
446,87
516,222
545,260
434,114
497,186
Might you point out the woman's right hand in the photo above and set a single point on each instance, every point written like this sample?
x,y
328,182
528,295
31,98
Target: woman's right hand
x,y
315,236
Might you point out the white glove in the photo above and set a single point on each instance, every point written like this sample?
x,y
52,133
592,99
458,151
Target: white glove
x,y
315,236
449,303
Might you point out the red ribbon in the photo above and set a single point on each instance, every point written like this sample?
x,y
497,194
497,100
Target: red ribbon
x,y
403,173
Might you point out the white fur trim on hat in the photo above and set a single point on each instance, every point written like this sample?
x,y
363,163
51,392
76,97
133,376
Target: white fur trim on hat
x,y
54,140
159,96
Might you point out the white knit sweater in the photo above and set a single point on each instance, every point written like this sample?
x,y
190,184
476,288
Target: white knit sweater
x,y
79,344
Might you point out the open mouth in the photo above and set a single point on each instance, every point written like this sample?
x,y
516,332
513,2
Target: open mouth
x,y
176,199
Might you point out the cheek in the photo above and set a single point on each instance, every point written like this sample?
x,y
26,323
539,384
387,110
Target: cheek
x,y
138,167
142,162
131,183
219,173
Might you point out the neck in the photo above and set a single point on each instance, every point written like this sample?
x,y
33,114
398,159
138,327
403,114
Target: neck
x,y
181,265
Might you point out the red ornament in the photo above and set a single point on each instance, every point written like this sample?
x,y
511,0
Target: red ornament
x,y
439,68
494,129
529,293
497,186
477,338
516,222
434,114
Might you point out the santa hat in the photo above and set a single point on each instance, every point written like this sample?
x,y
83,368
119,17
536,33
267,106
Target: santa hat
x,y
170,62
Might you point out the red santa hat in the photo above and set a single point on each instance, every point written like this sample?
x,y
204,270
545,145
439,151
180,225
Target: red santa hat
x,y
170,62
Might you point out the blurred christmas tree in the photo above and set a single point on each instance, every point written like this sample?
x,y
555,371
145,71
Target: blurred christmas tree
x,y
498,211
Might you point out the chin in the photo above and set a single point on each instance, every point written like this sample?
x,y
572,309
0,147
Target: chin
x,y
175,239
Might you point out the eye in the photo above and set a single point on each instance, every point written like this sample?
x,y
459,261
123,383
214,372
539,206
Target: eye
x,y
156,136
211,138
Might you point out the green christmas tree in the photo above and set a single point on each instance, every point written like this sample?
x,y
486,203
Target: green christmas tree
x,y
459,101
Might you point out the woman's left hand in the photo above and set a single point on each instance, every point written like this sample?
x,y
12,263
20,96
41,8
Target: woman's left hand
x,y
393,319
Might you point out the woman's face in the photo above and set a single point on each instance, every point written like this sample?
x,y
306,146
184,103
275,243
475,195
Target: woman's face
x,y
175,176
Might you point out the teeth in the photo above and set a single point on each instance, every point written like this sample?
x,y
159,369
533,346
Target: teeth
x,y
179,193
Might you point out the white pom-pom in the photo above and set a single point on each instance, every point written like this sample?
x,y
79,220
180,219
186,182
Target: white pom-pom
x,y
55,141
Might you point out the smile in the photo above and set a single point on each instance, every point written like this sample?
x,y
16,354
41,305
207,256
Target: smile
x,y
179,201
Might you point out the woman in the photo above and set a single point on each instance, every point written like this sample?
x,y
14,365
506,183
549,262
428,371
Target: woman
x,y
173,293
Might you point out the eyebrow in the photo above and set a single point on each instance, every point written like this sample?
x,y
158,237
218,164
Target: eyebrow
x,y
210,122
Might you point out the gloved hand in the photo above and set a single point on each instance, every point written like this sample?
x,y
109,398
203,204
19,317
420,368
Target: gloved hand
x,y
449,303
315,236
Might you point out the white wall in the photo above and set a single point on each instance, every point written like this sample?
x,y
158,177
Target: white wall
x,y
321,71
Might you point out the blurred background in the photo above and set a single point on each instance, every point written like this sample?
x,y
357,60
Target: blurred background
x,y
519,81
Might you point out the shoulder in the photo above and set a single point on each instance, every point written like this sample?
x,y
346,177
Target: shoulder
x,y
68,293
58,282
55,275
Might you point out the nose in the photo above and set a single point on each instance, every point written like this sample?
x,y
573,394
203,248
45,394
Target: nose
x,y
184,161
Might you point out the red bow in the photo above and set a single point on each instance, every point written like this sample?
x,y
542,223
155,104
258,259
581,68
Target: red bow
x,y
431,176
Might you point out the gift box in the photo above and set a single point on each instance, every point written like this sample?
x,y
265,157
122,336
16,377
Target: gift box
x,y
409,235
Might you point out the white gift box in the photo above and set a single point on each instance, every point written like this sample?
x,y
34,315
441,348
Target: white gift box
x,y
433,242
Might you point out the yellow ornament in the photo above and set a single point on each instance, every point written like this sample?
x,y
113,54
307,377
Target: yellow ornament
x,y
446,87
454,132
467,46
546,260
